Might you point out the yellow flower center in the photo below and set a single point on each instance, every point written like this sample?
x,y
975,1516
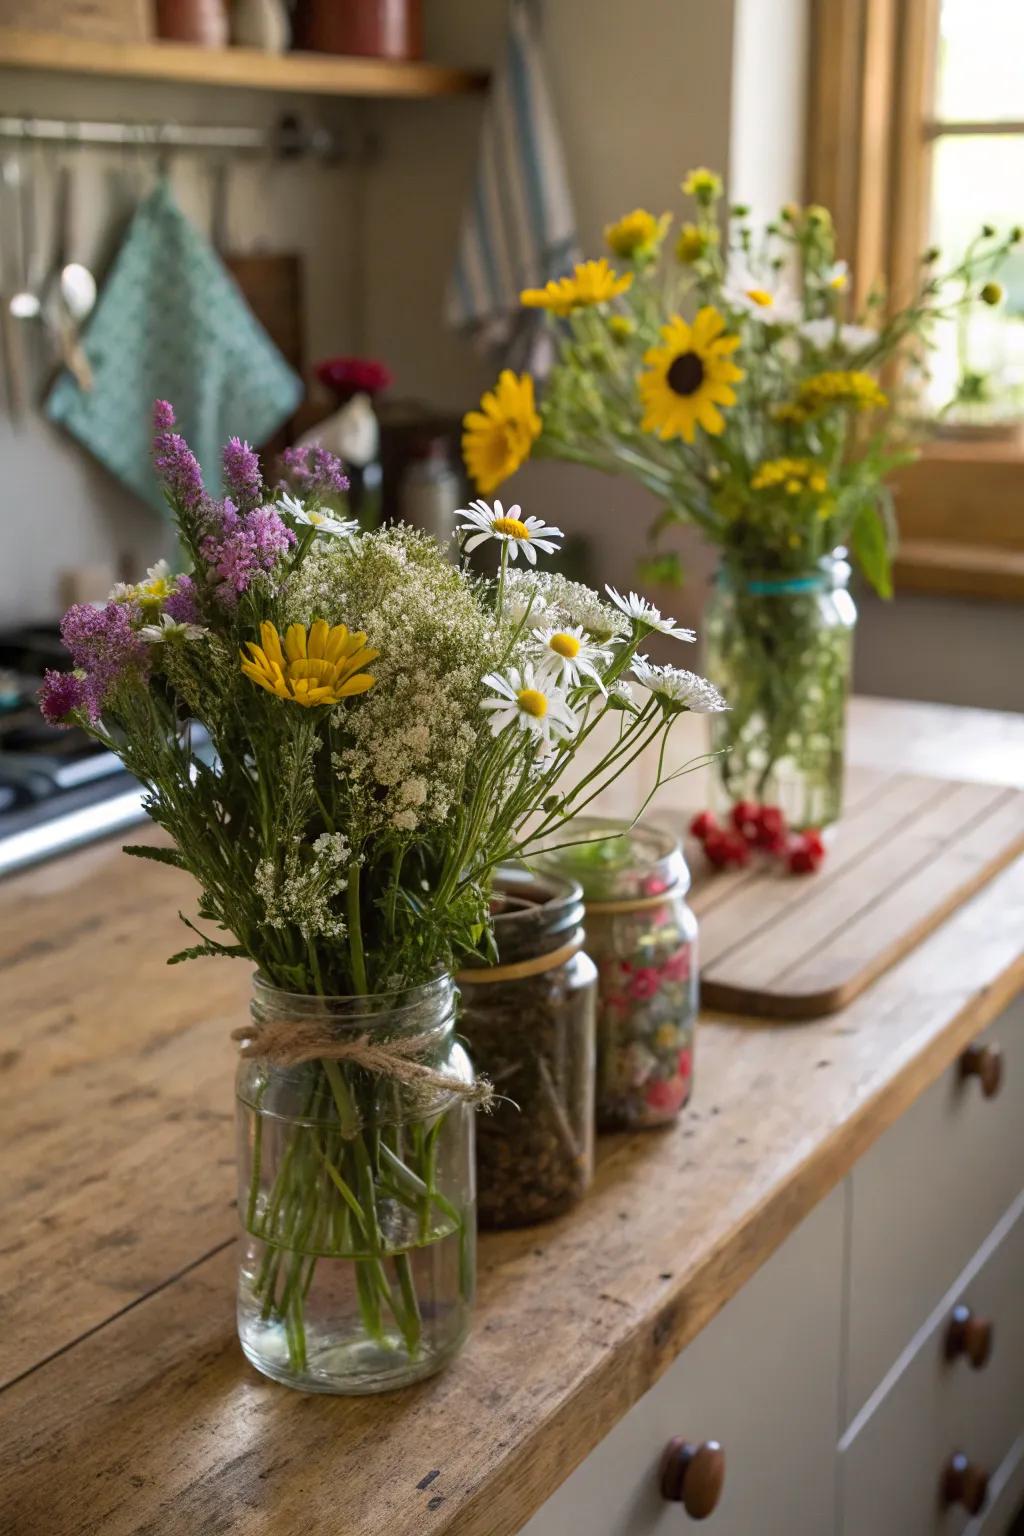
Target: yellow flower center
x,y
316,518
514,530
760,296
159,587
532,702
686,374
565,645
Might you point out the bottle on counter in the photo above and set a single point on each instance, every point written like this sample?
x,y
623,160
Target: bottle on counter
x,y
430,492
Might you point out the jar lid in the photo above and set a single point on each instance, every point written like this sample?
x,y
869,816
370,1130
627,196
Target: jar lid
x,y
532,913
617,860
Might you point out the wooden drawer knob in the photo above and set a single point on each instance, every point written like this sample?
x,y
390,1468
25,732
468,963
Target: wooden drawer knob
x,y
965,1484
985,1062
969,1336
692,1475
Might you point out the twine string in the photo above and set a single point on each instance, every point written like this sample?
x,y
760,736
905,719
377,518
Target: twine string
x,y
289,1042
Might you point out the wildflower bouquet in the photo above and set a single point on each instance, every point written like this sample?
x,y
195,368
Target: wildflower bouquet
x,y
760,419
384,728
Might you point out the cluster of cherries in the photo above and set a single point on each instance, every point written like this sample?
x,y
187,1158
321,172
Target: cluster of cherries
x,y
757,828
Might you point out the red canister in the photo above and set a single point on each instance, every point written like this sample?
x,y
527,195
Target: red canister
x,y
377,29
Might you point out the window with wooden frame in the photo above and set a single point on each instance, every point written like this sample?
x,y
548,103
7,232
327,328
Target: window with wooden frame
x,y
916,137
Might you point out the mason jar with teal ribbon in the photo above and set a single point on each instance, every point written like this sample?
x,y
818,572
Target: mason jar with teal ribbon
x,y
780,647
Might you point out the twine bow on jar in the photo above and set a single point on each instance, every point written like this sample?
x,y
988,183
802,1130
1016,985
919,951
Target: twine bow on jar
x,y
290,1042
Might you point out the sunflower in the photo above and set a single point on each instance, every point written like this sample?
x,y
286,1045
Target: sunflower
x,y
592,282
322,667
689,377
498,437
637,235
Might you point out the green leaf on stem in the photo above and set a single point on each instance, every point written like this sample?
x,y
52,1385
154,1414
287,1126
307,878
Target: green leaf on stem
x,y
870,544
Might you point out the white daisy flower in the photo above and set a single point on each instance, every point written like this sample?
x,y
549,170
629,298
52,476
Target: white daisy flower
x,y
167,628
646,616
622,696
825,336
159,583
533,702
678,689
837,277
569,655
323,522
526,534
747,293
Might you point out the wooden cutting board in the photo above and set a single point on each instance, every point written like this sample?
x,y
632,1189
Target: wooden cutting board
x,y
908,851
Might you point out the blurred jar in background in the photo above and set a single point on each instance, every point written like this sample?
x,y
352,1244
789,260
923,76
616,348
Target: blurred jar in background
x,y
430,492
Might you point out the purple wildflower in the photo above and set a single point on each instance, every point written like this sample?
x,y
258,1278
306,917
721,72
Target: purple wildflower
x,y
175,462
245,546
313,471
63,692
181,605
242,474
103,643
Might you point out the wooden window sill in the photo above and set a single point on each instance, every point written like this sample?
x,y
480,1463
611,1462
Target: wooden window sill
x,y
953,569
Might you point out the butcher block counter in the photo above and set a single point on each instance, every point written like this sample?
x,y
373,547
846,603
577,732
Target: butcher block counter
x,y
773,1274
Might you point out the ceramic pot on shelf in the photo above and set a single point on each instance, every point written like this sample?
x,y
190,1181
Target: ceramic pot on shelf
x,y
377,29
203,23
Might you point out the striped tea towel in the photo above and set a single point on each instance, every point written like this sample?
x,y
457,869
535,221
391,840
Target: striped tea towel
x,y
518,227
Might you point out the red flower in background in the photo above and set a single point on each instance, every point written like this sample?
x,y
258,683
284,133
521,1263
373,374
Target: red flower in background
x,y
685,1062
348,376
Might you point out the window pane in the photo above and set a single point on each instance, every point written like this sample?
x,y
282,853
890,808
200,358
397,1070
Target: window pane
x,y
981,60
980,180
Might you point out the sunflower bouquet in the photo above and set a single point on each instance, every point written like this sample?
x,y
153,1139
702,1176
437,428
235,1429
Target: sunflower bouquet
x,y
343,734
732,379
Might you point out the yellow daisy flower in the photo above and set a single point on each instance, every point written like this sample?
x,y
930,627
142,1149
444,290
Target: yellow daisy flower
x,y
840,387
693,243
321,667
498,437
704,185
689,377
592,282
636,235
794,475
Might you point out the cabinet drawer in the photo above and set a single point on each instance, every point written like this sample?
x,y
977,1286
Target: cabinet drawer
x,y
762,1379
923,1200
891,1461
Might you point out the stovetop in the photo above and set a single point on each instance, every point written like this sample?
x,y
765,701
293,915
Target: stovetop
x,y
58,788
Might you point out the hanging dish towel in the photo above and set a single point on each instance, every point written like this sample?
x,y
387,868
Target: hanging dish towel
x,y
172,324
518,228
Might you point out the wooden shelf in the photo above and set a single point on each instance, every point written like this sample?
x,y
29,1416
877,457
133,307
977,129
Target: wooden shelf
x,y
951,569
317,73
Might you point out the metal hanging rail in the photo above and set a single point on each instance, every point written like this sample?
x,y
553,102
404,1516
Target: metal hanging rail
x,y
287,138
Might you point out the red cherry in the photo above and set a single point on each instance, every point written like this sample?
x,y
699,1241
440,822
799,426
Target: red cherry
x,y
737,849
744,817
716,847
702,824
814,841
771,828
802,861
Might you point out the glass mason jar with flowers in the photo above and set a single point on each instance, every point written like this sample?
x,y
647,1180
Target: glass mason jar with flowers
x,y
381,730
732,378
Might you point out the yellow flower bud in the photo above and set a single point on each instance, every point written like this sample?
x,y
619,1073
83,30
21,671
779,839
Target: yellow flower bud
x,y
991,293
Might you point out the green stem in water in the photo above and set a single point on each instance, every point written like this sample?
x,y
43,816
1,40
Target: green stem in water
x,y
355,931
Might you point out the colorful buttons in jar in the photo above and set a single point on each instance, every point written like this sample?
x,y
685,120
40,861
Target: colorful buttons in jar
x,y
642,937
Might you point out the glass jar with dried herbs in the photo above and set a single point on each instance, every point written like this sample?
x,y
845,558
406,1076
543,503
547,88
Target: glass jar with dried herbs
x,y
529,1021
642,936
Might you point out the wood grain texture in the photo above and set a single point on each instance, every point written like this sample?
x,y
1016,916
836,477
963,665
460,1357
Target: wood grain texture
x,y
314,73
135,1412
907,854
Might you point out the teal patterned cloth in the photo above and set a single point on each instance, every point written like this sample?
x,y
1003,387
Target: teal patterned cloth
x,y
172,324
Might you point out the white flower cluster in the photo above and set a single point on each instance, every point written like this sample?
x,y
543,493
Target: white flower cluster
x,y
301,892
402,755
677,689
554,601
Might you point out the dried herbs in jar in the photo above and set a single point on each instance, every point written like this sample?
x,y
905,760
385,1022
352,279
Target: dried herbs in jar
x,y
529,1022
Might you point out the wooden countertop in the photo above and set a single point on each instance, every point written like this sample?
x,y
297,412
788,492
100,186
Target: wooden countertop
x,y
126,1405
